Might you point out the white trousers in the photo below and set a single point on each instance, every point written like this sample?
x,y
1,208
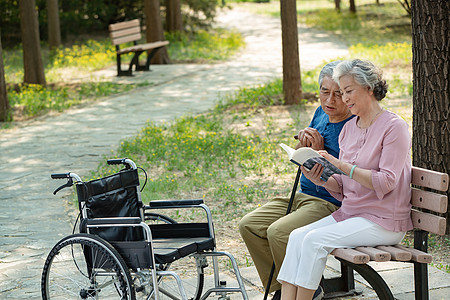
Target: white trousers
x,y
309,246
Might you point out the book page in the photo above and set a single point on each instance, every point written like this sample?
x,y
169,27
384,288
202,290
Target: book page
x,y
300,155
308,157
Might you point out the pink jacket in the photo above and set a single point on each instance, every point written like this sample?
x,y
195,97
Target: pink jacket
x,y
384,148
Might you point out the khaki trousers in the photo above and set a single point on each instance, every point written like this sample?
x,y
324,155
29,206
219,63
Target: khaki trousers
x,y
266,230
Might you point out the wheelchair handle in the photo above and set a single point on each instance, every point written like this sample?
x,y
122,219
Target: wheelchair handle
x,y
60,175
69,176
128,163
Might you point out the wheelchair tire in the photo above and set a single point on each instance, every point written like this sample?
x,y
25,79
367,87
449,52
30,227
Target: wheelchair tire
x,y
84,266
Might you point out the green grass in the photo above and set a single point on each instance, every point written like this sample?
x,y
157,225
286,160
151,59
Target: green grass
x,y
81,58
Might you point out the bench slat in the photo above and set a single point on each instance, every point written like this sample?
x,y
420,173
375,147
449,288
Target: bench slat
x,y
143,47
126,39
375,254
417,255
429,200
123,25
351,255
429,179
125,32
428,222
396,253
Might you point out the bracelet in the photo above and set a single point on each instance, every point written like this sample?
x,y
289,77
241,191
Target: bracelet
x,y
351,171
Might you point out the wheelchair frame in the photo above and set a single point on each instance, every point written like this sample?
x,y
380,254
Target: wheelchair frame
x,y
127,268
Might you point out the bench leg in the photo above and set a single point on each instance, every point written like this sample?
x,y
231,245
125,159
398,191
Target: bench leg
x,y
135,61
374,279
341,286
149,58
121,72
420,269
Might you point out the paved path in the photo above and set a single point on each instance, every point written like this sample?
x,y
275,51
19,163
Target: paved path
x,y
32,220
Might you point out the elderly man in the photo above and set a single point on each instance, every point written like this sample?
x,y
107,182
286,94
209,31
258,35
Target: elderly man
x,y
266,230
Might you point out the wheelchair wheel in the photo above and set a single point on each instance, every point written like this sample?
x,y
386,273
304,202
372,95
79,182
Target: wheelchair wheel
x,y
83,266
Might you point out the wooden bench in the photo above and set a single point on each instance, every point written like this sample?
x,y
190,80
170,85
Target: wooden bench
x,y
130,32
429,203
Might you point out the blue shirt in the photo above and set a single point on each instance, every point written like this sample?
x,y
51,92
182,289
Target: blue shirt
x,y
330,132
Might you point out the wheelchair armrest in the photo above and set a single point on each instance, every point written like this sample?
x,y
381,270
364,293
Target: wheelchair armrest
x,y
173,203
111,221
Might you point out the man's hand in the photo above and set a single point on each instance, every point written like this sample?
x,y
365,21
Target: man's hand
x,y
310,137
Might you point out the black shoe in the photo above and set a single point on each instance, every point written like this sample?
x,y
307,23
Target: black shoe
x,y
318,294
277,295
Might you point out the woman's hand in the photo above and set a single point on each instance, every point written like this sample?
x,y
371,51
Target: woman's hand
x,y
331,158
314,174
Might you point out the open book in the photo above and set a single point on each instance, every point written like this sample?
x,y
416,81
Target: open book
x,y
308,157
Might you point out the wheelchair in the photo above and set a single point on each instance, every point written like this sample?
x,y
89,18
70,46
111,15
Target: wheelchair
x,y
124,249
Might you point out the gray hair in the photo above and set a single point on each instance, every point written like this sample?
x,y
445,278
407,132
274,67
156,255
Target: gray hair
x,y
327,70
365,74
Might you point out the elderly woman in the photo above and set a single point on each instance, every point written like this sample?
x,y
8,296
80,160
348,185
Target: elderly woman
x,y
375,193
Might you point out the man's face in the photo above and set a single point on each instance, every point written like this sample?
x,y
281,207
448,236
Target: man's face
x,y
331,100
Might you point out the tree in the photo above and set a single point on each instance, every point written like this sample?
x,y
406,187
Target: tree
x,y
155,31
406,4
54,30
431,88
337,5
29,26
4,103
292,84
352,6
174,20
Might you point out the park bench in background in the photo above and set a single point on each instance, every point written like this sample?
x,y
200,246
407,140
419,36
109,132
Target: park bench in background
x,y
130,31
429,203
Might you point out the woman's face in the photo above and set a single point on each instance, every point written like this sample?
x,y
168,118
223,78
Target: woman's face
x,y
357,97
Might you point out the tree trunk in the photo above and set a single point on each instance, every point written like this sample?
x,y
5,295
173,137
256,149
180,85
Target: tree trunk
x,y
32,60
431,90
352,6
4,103
337,5
154,30
174,20
54,29
292,85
